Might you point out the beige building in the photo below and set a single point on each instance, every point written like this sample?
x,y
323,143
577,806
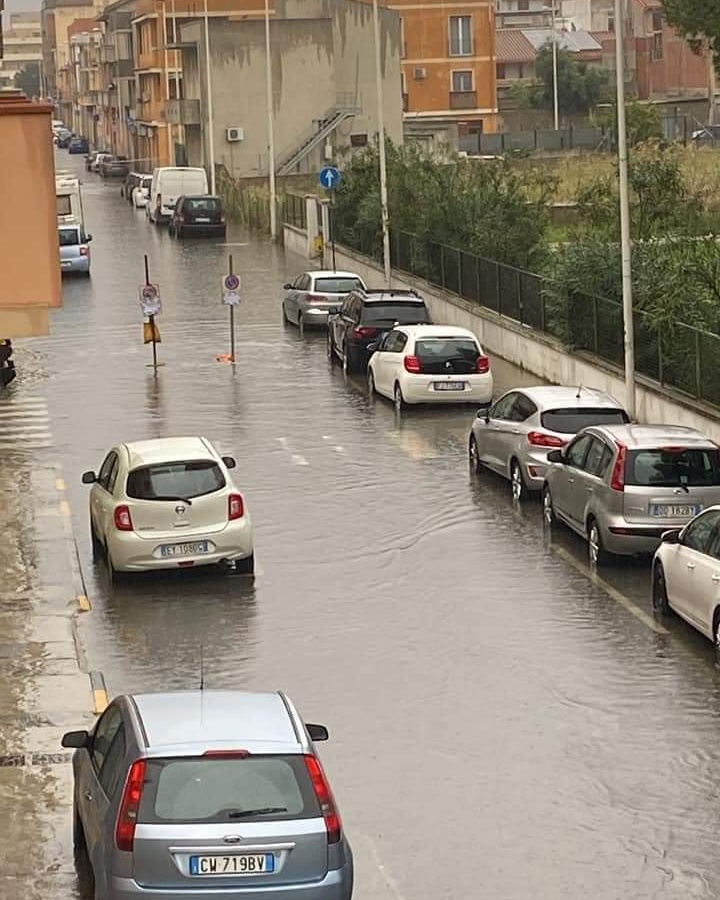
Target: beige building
x,y
57,17
22,45
324,91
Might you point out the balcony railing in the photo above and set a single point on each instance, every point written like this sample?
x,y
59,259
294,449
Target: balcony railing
x,y
183,112
150,59
107,53
463,99
152,111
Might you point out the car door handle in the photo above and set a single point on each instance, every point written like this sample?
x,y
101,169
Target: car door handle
x,y
691,565
88,795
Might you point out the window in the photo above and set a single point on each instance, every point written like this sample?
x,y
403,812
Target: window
x,y
577,451
674,467
699,534
205,790
395,342
175,480
338,285
502,408
611,23
523,409
112,768
403,46
106,468
112,475
500,72
524,5
69,237
460,35
657,21
105,731
574,419
389,313
462,81
598,458
203,204
657,50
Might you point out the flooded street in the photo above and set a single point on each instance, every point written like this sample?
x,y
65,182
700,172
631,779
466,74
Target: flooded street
x,y
502,724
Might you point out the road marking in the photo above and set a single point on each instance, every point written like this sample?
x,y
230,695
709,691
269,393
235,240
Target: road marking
x,y
100,694
84,603
65,507
612,592
338,448
283,442
299,460
23,413
60,484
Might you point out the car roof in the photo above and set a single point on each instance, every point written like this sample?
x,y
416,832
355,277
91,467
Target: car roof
x,y
401,296
649,437
230,719
200,197
328,273
550,395
435,331
158,450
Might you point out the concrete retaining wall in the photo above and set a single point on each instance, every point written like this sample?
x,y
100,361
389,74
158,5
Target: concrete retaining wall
x,y
534,352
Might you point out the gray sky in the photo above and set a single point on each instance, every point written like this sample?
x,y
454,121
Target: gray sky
x,y
21,5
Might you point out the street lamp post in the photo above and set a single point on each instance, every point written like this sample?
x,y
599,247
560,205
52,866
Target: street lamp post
x,y
270,125
381,148
625,242
556,105
208,89
168,126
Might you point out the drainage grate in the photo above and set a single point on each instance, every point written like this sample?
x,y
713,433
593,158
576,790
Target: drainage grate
x,y
15,760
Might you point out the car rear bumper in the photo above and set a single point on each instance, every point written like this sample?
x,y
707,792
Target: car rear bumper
x,y
337,885
478,389
314,315
204,228
625,539
81,264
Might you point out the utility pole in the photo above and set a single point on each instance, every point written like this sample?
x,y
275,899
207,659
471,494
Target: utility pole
x,y
208,89
556,104
270,125
625,241
712,87
168,126
381,148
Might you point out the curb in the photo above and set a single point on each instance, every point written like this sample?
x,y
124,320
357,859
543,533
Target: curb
x,y
100,694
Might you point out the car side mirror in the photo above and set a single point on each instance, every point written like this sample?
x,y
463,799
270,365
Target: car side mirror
x,y
371,348
287,286
484,414
88,238
671,537
75,739
317,732
229,462
89,478
555,456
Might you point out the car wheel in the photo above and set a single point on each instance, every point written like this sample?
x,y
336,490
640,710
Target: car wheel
x,y
716,630
517,482
548,508
80,854
246,566
371,383
398,397
659,592
330,348
597,554
95,543
114,577
348,363
178,233
474,455
301,324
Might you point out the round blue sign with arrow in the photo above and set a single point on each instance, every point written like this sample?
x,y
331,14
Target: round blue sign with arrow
x,y
330,177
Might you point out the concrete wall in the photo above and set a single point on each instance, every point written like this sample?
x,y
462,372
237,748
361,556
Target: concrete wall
x,y
540,355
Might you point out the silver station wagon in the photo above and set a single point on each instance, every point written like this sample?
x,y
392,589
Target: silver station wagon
x,y
216,794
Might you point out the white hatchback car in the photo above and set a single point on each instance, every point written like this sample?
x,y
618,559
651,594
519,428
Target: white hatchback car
x,y
430,364
168,503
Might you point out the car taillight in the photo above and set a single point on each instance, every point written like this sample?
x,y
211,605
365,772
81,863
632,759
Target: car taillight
x,y
236,507
363,331
325,798
123,519
222,219
540,439
617,481
412,364
315,298
482,365
127,816
84,251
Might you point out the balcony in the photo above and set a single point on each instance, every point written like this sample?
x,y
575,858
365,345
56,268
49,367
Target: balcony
x,y
463,99
150,59
183,112
107,53
152,111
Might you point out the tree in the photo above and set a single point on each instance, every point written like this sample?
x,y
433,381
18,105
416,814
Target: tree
x,y
642,121
698,20
580,87
27,80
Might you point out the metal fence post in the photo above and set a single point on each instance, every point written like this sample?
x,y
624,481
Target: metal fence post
x,y
498,288
460,284
542,310
661,374
518,282
595,325
698,365
442,265
477,281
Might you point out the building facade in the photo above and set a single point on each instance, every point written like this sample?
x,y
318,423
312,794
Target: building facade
x,y
22,45
57,16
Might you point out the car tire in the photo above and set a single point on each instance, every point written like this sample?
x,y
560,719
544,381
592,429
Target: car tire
x,y
330,348
178,233
97,548
398,398
474,455
659,590
716,631
548,508
301,324
114,577
246,566
347,361
597,555
371,383
517,482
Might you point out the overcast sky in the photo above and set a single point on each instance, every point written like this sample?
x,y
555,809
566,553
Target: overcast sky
x,y
21,5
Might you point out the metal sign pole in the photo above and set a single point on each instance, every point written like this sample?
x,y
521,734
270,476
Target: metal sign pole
x,y
332,228
151,317
232,319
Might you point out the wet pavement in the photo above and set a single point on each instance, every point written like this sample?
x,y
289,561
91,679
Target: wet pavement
x,y
502,723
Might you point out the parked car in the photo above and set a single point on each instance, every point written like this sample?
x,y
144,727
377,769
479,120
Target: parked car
x,y
310,296
63,138
707,134
168,503
214,794
194,216
622,486
141,193
91,159
78,145
686,573
74,250
169,183
131,181
99,159
111,166
430,364
514,436
365,317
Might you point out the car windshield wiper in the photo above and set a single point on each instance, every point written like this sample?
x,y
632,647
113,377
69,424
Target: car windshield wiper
x,y
264,811
180,499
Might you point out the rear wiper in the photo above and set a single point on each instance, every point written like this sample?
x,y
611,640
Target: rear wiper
x,y
181,499
264,811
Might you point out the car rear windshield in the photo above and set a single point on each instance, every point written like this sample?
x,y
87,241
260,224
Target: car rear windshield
x,y
338,285
207,790
673,467
203,203
442,349
570,421
175,480
69,237
390,313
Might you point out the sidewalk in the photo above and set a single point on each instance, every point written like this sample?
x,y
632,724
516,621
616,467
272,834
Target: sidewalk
x,y
43,690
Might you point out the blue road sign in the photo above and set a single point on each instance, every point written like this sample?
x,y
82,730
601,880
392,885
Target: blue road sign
x,y
330,177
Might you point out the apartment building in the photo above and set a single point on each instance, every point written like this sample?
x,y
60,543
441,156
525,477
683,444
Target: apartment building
x,y
56,17
22,45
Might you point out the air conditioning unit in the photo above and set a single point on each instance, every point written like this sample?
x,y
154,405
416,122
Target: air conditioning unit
x,y
235,133
420,73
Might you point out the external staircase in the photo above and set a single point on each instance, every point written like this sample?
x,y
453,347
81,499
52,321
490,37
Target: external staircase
x,y
345,108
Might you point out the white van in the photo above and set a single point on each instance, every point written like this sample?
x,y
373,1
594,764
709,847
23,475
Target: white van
x,y
68,198
169,183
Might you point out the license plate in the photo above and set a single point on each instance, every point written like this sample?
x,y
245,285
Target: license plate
x,y
202,220
674,511
449,385
189,549
240,864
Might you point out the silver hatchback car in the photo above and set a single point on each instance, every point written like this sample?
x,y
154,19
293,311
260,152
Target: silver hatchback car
x,y
621,487
514,436
216,794
312,294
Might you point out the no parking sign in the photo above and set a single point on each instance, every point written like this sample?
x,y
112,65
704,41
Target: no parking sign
x,y
231,290
150,299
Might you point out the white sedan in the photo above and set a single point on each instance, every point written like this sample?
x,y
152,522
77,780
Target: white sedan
x,y
430,364
686,573
168,503
141,193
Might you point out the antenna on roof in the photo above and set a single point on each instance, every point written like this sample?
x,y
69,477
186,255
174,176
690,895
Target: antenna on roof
x,y
577,396
202,670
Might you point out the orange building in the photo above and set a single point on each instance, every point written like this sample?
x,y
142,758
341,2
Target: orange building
x,y
448,63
